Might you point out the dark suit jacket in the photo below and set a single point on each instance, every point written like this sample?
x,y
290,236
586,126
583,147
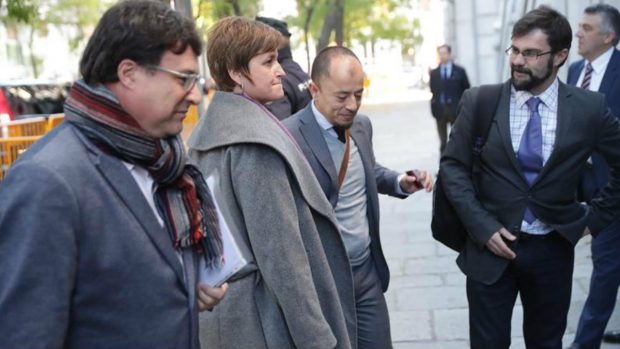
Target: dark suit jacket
x,y
307,132
85,263
453,89
584,125
610,87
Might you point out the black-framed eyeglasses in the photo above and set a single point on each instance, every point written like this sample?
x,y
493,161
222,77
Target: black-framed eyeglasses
x,y
189,80
527,54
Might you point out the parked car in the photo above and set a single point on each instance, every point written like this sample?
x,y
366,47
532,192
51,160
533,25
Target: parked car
x,y
23,98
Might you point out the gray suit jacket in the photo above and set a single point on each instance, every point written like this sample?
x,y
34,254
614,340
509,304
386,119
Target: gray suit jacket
x,y
307,132
584,125
84,262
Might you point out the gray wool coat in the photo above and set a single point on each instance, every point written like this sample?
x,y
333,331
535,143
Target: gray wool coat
x,y
299,291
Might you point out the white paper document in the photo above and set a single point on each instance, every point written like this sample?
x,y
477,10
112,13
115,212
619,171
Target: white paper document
x,y
233,260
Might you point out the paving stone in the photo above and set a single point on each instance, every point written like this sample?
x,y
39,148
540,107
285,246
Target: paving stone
x,y
418,280
410,325
454,279
409,250
432,345
430,265
429,298
454,324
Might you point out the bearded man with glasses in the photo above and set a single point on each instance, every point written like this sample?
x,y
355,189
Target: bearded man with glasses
x,y
520,208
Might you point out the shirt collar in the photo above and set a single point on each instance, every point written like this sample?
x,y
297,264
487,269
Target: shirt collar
x,y
320,118
549,97
600,63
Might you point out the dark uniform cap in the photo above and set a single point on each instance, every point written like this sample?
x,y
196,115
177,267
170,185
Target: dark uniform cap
x,y
276,24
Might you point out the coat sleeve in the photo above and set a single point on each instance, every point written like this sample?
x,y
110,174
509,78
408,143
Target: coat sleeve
x,y
386,178
38,219
455,171
606,207
264,190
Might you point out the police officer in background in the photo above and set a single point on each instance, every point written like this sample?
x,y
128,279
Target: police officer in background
x,y
296,81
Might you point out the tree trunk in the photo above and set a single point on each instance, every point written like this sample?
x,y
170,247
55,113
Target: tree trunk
x,y
33,61
236,7
309,13
334,21
339,22
326,32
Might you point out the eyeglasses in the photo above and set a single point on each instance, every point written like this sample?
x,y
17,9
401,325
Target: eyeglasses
x,y
527,54
189,80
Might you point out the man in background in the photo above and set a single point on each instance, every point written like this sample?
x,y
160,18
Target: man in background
x,y
599,71
448,82
296,81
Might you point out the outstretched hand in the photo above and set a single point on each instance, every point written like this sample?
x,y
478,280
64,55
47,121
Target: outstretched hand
x,y
415,180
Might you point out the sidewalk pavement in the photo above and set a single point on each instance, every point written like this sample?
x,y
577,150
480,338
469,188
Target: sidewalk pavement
x,y
426,298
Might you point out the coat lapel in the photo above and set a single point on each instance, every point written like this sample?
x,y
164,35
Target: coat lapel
x,y
611,73
357,133
564,118
125,186
502,116
311,131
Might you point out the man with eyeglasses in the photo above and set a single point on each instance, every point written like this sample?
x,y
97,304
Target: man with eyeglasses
x,y
102,222
598,34
520,209
448,82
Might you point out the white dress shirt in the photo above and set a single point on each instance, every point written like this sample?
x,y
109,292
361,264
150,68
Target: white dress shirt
x,y
519,116
599,65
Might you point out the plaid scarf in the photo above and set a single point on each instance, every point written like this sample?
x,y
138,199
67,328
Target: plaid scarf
x,y
182,197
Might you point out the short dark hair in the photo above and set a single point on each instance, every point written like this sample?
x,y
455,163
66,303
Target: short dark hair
x,y
140,30
550,22
322,61
610,19
446,46
232,42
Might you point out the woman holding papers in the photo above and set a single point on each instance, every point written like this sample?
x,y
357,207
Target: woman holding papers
x,y
297,290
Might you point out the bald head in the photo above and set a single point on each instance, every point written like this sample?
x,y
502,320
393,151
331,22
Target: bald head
x,y
323,61
337,85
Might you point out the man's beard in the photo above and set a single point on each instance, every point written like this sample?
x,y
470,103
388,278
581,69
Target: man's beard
x,y
534,81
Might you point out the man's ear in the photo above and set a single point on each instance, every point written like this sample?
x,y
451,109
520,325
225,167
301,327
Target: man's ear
x,y
314,89
127,72
610,37
560,57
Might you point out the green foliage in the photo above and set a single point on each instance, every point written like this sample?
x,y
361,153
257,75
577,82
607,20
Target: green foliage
x,y
207,12
20,11
38,15
364,21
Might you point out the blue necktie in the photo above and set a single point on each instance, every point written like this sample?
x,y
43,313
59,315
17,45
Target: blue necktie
x,y
444,77
530,150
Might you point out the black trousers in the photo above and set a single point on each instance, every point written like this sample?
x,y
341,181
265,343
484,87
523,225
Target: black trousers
x,y
447,118
373,321
542,276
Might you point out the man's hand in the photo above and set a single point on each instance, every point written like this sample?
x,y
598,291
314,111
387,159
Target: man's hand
x,y
209,297
413,181
497,245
